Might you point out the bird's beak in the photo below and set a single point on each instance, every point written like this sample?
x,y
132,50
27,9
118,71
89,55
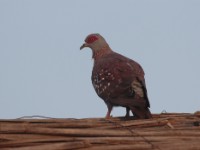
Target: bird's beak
x,y
83,46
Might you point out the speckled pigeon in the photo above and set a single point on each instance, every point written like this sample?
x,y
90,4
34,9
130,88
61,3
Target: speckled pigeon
x,y
118,80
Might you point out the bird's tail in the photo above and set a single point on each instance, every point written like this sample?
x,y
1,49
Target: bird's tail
x,y
141,113
138,107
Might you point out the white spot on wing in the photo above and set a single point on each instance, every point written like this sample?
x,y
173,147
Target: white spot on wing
x,y
119,80
129,65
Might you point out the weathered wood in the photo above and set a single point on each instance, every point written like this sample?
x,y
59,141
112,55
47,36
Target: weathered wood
x,y
51,146
164,131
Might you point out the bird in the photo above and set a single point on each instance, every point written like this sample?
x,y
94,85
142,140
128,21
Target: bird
x,y
117,79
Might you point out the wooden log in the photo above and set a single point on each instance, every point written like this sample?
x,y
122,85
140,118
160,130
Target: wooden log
x,y
100,133
51,146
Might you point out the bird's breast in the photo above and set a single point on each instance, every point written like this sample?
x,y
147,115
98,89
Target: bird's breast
x,y
104,81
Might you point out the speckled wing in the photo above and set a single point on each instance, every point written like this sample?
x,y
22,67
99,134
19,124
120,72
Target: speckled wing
x,y
116,77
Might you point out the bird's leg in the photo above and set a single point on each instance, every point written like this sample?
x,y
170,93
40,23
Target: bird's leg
x,y
127,112
109,111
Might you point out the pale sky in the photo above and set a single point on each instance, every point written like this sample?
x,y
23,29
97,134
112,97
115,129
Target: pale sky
x,y
43,72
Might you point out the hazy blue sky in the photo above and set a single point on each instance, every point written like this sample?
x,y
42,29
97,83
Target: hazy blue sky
x,y
43,72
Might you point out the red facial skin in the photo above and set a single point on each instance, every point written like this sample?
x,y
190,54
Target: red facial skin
x,y
90,39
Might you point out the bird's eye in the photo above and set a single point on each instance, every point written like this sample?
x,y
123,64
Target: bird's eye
x,y
91,39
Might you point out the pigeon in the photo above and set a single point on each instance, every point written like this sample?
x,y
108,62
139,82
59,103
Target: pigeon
x,y
117,79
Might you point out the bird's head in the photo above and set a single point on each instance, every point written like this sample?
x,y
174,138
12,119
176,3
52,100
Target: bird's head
x,y
97,43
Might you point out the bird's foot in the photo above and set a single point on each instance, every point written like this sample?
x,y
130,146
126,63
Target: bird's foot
x,y
127,112
108,117
127,116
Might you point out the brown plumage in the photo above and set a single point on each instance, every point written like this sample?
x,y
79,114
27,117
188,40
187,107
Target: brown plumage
x,y
118,80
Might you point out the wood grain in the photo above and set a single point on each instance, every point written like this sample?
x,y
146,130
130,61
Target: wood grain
x,y
163,132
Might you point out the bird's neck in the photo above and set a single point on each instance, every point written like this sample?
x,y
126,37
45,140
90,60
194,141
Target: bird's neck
x,y
101,52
